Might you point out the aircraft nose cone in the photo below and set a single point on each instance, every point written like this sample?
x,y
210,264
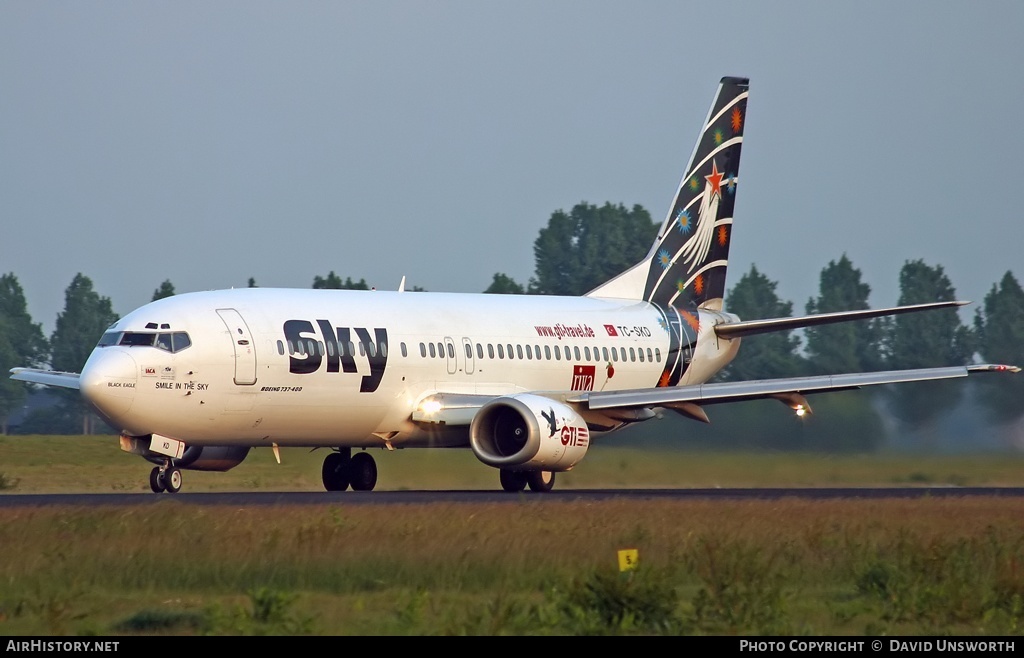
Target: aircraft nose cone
x,y
108,383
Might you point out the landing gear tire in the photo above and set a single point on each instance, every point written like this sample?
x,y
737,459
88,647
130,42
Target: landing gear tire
x,y
541,480
336,472
172,480
364,472
156,480
512,480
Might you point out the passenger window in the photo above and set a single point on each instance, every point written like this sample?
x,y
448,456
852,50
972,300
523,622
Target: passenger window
x,y
405,352
632,354
469,351
490,351
650,357
451,351
586,353
433,352
280,347
529,353
615,354
519,351
510,354
423,350
547,352
330,349
558,353
383,348
604,351
440,349
501,351
657,354
641,353
371,349
479,351
576,352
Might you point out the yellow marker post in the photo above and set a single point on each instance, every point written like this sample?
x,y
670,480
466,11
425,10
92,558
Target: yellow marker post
x,y
629,558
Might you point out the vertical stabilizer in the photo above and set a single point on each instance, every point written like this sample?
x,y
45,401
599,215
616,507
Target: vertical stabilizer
x,y
687,263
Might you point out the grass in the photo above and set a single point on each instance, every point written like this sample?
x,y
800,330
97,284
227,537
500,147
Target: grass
x,y
928,566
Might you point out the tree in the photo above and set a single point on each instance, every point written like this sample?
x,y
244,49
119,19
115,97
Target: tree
x,y
761,423
848,421
21,344
252,282
924,340
166,289
584,248
333,282
845,346
85,317
999,329
504,285
767,355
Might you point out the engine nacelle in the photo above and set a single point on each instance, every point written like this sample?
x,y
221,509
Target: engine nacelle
x,y
530,433
194,458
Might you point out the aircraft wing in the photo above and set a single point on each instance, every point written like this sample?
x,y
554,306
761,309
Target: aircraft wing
x,y
689,399
459,409
48,377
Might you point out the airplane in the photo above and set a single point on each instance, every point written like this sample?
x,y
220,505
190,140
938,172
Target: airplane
x,y
527,382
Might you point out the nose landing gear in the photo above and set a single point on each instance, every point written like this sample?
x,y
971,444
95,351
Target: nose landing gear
x,y
165,478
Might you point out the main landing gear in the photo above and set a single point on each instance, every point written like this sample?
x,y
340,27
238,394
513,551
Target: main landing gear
x,y
342,470
165,478
518,480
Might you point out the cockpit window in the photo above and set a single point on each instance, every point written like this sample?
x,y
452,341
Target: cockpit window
x,y
137,339
181,341
109,338
171,342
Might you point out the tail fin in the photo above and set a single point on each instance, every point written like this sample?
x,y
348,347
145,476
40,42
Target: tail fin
x,y
687,263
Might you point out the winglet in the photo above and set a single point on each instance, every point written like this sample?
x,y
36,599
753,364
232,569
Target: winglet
x,y
992,367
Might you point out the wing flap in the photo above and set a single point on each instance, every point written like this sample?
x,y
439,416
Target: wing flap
x,y
47,377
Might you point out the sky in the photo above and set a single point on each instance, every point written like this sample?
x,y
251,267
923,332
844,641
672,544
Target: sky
x,y
210,142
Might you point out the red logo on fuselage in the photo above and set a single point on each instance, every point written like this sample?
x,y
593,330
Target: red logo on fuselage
x,y
610,328
582,378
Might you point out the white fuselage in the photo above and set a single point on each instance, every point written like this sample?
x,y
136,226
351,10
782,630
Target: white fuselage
x,y
348,368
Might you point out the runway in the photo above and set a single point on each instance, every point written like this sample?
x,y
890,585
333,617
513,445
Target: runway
x,y
305,498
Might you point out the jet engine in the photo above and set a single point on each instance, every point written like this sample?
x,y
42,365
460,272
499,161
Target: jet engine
x,y
528,432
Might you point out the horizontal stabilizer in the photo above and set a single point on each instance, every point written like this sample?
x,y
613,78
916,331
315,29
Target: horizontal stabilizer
x,y
48,377
751,327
